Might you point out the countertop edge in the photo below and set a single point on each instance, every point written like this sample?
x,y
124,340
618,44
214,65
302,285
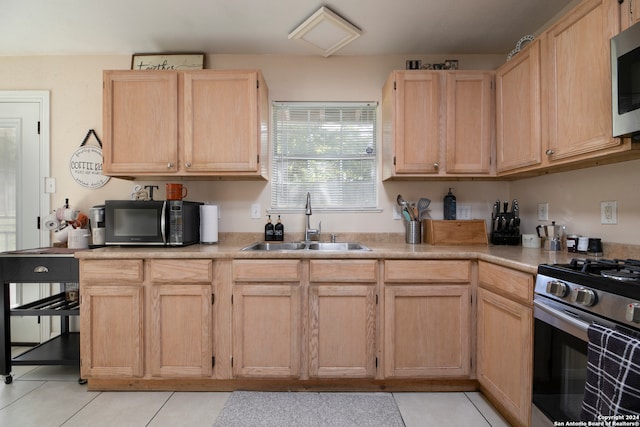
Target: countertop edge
x,y
515,257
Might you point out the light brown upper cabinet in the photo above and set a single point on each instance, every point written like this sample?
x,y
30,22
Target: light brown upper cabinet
x,y
629,13
577,83
191,123
437,123
518,127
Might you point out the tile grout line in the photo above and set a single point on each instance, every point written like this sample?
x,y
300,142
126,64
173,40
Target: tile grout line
x,y
478,409
160,408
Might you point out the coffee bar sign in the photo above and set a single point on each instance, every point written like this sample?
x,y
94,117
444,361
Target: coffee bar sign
x,y
175,62
86,164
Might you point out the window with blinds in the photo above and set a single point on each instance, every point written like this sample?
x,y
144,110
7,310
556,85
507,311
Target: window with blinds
x,y
326,149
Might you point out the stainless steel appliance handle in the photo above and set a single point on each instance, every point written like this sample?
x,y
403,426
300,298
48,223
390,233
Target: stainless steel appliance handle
x,y
163,222
561,319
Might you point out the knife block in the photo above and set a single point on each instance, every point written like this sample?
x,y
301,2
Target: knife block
x,y
506,230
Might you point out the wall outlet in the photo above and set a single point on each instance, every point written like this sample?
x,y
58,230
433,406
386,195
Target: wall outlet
x,y
543,211
463,211
255,211
396,212
609,212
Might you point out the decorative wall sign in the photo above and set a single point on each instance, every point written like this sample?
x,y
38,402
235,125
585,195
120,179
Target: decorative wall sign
x,y
86,164
176,62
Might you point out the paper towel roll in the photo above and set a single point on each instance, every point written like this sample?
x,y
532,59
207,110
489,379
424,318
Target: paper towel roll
x,y
208,223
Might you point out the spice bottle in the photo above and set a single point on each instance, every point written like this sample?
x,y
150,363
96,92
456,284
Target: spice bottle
x,y
269,231
279,230
449,206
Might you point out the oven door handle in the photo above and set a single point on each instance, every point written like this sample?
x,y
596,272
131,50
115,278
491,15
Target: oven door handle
x,y
561,320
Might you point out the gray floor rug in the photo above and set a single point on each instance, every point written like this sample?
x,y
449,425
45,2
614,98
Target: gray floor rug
x,y
304,409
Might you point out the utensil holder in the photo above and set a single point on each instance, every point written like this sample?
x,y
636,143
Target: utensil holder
x,y
413,232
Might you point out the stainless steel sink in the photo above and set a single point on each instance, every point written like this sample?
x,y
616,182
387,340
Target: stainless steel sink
x,y
311,246
275,246
337,246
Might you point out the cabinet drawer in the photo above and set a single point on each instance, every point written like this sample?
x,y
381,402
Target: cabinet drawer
x,y
267,270
38,269
112,271
343,271
511,283
427,271
181,271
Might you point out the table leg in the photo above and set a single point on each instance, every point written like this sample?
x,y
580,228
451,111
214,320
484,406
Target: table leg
x,y
5,331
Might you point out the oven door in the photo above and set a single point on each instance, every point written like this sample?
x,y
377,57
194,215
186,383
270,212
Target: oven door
x,y
559,363
559,360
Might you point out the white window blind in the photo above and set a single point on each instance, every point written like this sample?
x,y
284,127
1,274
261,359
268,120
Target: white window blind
x,y
326,149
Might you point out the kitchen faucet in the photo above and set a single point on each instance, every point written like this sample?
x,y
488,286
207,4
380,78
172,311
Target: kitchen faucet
x,y
311,233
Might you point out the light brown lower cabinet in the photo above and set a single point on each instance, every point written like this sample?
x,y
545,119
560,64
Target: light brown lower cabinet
x,y
505,340
427,316
181,331
111,319
180,324
342,318
266,307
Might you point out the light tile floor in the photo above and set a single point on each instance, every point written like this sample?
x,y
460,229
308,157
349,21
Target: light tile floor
x,y
43,396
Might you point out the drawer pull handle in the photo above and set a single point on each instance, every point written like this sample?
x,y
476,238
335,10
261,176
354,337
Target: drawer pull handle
x,y
41,269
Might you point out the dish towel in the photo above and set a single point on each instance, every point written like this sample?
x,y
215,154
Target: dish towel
x,y
613,375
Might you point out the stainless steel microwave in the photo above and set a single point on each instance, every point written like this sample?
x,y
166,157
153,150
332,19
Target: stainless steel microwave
x,y
155,222
625,82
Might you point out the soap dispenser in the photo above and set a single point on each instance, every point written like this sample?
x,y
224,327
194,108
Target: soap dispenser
x,y
449,206
279,230
269,231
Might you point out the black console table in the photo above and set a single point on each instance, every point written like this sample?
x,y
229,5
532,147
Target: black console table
x,y
42,265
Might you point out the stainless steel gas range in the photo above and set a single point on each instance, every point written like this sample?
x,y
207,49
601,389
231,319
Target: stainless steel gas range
x,y
568,299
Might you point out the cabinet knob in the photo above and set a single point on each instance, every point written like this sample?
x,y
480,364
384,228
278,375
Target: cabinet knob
x,y
169,165
188,164
436,165
549,152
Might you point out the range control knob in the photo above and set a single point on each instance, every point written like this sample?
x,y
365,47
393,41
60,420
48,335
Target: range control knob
x,y
633,312
584,296
557,288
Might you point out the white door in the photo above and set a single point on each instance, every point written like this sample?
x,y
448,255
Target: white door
x,y
24,162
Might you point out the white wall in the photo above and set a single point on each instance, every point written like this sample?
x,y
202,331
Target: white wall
x,y
75,83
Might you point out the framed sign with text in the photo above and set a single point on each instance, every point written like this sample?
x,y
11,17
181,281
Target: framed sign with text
x,y
176,62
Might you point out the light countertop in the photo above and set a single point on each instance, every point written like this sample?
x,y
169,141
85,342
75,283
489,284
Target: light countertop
x,y
516,257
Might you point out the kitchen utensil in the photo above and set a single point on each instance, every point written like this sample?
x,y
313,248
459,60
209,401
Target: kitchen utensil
x,y
423,205
553,236
176,191
413,232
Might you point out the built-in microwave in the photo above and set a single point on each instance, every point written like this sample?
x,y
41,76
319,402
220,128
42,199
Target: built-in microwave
x,y
155,222
625,82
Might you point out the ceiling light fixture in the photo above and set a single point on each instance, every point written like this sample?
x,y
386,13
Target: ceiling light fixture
x,y
326,31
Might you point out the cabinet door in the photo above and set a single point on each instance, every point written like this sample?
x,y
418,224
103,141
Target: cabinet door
x,y
112,320
181,330
140,118
266,330
518,126
221,121
469,135
335,350
427,331
505,334
578,80
417,124
629,13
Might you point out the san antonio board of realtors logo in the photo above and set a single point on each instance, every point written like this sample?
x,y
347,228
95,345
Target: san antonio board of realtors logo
x,y
86,167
